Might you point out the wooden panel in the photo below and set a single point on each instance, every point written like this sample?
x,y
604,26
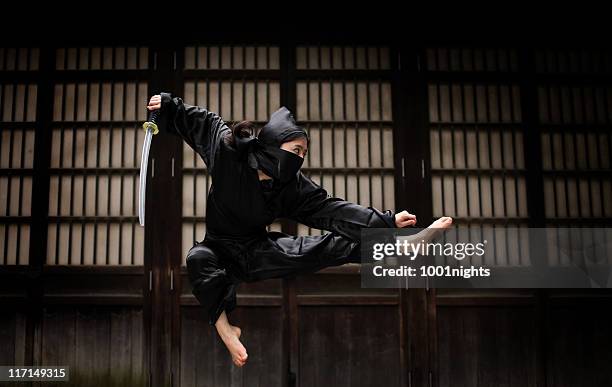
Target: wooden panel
x,y
14,244
349,346
21,59
322,100
342,58
573,61
350,125
102,346
17,107
205,360
471,59
486,346
237,57
579,340
17,148
12,337
18,102
94,285
94,173
102,58
476,148
576,150
336,284
235,100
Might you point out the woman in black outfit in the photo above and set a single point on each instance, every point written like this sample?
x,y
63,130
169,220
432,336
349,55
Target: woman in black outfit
x,y
255,180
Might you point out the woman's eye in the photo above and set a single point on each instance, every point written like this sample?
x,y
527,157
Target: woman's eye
x,y
296,150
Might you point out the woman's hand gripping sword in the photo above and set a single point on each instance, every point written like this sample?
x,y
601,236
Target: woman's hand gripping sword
x,y
150,128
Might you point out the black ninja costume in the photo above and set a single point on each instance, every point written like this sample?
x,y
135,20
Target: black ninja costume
x,y
237,246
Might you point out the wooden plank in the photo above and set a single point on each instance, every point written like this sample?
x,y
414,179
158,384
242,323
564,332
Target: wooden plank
x,y
291,333
347,299
79,271
162,234
93,299
432,323
126,347
20,339
484,301
139,364
578,345
349,346
486,346
102,345
418,337
58,338
8,322
92,347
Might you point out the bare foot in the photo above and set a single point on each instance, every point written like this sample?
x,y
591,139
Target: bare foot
x,y
443,222
436,228
230,335
231,340
430,233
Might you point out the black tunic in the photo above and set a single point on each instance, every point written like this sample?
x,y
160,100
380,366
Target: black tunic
x,y
240,206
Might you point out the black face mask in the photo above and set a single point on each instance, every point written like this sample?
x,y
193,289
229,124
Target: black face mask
x,y
264,151
284,166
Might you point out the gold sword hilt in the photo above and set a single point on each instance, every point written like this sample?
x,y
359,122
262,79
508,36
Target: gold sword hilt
x,y
151,123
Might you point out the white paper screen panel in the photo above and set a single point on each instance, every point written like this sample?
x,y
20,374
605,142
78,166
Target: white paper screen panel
x,y
576,137
96,144
232,58
102,58
342,58
350,125
477,155
17,139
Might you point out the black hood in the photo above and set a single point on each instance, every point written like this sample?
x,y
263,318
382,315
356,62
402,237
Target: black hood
x,y
264,152
281,128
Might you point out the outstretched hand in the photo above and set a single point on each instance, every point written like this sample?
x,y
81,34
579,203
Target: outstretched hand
x,y
404,219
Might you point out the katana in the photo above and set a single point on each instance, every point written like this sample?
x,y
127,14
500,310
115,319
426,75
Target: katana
x,y
150,128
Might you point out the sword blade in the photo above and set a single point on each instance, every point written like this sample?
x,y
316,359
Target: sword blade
x,y
144,162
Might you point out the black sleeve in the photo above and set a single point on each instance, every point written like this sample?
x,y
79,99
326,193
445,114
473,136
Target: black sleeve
x,y
314,207
200,128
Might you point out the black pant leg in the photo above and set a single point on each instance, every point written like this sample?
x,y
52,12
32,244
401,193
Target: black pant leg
x,y
288,260
211,283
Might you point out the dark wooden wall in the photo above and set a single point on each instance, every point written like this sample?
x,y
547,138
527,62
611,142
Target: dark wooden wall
x,y
126,316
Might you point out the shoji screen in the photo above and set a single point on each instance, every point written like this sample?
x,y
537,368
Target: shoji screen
x,y
476,143
575,122
575,118
238,83
17,134
95,156
344,101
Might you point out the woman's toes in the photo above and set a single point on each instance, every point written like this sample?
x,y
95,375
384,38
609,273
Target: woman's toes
x,y
240,359
243,355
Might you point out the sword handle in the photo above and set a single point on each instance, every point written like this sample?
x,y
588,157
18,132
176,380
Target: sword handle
x,y
153,115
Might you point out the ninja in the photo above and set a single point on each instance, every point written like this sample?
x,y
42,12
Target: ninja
x,y
255,180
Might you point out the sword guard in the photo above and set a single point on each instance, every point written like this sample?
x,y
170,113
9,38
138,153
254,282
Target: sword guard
x,y
151,125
